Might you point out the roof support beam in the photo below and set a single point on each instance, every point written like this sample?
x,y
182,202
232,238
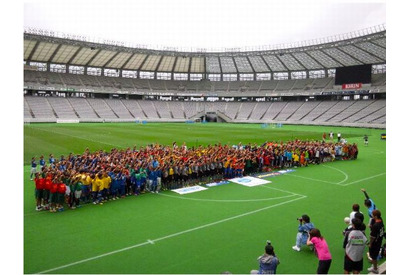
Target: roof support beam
x,y
109,60
92,58
54,53
33,51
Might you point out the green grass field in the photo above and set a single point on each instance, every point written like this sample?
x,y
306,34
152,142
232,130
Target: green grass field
x,y
223,228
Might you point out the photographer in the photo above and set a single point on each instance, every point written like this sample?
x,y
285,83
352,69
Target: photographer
x,y
303,231
268,262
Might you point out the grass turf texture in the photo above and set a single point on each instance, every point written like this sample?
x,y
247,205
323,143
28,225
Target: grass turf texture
x,y
220,229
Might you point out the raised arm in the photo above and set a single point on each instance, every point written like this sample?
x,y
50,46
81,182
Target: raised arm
x,y
365,193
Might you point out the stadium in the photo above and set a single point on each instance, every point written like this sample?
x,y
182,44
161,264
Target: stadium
x,y
85,97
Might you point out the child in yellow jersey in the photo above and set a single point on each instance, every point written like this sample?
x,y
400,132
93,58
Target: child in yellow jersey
x,y
295,159
107,184
95,188
86,187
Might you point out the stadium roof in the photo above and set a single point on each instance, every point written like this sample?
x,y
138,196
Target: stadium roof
x,y
356,48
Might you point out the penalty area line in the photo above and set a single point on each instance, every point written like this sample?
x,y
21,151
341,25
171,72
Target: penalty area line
x,y
170,236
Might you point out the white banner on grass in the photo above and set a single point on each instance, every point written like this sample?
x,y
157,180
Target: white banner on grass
x,y
187,190
249,181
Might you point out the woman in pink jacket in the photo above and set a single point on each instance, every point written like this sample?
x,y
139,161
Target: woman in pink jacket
x,y
322,250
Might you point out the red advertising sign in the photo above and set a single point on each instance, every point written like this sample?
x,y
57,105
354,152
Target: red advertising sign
x,y
352,86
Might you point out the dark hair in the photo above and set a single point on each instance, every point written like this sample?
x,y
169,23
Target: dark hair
x,y
269,249
376,213
368,203
315,233
356,207
357,223
306,218
359,216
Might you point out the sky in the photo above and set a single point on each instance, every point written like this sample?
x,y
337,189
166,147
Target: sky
x,y
205,24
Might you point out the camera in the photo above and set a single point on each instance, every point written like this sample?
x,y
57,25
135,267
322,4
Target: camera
x,y
299,219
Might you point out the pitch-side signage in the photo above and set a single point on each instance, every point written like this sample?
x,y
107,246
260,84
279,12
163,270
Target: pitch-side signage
x,y
352,86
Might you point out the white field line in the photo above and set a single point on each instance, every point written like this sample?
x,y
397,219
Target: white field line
x,y
353,182
294,194
170,236
302,177
340,183
344,173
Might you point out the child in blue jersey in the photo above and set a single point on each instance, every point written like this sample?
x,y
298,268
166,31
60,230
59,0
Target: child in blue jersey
x,y
159,177
33,170
51,160
368,202
114,184
122,183
41,162
152,176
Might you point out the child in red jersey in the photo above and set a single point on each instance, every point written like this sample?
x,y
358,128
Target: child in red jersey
x,y
61,190
53,195
39,182
46,191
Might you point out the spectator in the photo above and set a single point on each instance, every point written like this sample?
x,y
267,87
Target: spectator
x,y
268,262
355,209
368,202
322,250
303,232
376,237
354,245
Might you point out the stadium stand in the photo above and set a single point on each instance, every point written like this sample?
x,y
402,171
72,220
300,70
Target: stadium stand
x,y
135,109
334,111
176,109
304,110
320,109
294,85
42,109
119,108
62,108
83,109
259,110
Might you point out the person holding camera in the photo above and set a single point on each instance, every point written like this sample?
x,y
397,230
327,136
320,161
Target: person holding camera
x,y
303,231
322,250
268,262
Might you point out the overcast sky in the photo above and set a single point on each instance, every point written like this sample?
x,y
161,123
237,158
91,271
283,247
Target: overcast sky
x,y
205,24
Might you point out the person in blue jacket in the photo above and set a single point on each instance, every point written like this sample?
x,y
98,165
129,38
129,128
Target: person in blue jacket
x,y
268,262
303,231
369,203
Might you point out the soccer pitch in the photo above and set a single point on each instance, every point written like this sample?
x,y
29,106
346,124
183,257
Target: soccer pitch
x,y
223,228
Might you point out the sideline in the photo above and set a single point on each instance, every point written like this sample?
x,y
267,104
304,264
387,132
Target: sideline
x,y
150,241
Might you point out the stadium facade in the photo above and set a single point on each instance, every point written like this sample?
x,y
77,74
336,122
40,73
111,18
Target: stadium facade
x,y
72,78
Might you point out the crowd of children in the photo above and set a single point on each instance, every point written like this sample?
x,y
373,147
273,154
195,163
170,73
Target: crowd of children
x,y
101,176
